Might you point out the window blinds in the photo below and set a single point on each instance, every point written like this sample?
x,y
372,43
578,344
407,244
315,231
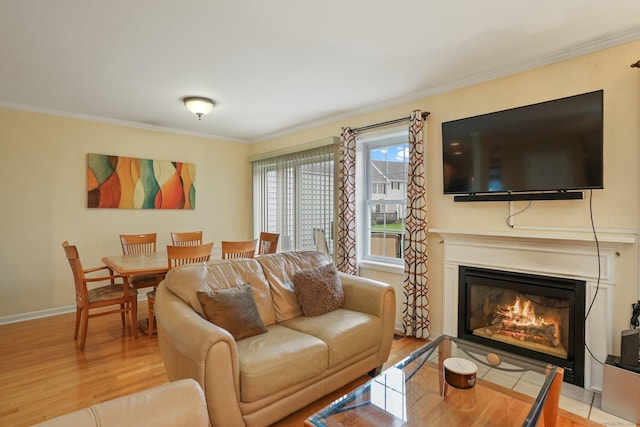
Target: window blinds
x,y
293,194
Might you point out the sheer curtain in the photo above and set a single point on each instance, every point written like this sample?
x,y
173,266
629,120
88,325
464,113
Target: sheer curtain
x,y
346,211
415,317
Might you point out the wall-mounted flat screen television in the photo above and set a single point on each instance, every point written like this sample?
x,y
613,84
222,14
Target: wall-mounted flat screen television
x,y
550,146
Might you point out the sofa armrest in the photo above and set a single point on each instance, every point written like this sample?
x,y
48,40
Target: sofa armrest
x,y
367,295
180,403
375,298
193,347
186,330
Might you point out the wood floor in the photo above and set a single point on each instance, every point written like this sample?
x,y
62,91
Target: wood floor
x,y
43,374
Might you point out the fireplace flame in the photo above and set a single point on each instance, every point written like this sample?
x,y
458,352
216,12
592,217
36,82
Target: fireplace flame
x,y
520,320
521,313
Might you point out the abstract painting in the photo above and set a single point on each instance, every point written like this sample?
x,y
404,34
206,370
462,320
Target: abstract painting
x,y
132,183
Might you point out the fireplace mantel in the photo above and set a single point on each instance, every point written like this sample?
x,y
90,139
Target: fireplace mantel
x,y
576,237
551,253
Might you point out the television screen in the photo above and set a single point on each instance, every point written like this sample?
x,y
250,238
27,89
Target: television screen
x,y
550,146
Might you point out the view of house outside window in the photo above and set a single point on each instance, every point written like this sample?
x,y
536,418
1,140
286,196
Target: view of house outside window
x,y
385,198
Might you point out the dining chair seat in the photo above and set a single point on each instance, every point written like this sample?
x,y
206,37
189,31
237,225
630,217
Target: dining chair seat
x,y
108,292
144,280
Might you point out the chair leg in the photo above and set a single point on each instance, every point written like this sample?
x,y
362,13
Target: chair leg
x,y
85,326
78,312
152,322
123,309
134,315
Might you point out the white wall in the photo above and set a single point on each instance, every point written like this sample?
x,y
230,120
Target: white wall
x,y
43,187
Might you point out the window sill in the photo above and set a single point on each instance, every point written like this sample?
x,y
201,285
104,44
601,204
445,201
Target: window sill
x,y
381,266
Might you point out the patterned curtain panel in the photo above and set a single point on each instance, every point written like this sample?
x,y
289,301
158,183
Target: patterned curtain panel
x,y
346,216
415,316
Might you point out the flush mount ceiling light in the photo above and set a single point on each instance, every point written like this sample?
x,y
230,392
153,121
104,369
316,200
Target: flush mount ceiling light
x,y
198,105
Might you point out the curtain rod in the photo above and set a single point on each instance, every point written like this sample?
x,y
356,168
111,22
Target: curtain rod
x,y
390,122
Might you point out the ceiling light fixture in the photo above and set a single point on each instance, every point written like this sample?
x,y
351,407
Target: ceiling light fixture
x,y
198,105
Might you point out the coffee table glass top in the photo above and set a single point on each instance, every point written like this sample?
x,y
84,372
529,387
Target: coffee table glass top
x,y
509,391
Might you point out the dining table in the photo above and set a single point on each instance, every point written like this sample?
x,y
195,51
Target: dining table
x,y
137,264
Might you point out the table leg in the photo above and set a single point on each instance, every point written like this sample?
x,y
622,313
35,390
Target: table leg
x,y
444,352
134,307
550,408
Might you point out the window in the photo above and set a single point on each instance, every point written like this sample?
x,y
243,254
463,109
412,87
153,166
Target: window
x,y
383,195
293,194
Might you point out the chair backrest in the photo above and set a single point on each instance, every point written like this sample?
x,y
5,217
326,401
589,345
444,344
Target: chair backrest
x,y
78,273
239,249
138,243
181,255
268,243
321,241
188,238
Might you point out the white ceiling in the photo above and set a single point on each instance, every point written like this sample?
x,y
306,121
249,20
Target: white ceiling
x,y
279,65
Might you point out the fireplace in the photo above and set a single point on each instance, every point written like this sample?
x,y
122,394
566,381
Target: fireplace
x,y
535,316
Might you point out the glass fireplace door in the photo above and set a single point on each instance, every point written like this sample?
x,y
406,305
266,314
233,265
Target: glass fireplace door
x,y
538,317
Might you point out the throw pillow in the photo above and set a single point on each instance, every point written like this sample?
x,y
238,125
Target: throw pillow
x,y
234,310
319,290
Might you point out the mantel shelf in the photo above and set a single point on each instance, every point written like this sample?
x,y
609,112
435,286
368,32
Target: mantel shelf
x,y
558,236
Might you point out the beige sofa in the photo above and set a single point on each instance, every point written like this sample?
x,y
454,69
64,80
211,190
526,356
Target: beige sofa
x,y
177,404
263,378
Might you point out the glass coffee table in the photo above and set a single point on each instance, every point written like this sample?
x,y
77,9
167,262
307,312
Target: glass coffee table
x,y
508,390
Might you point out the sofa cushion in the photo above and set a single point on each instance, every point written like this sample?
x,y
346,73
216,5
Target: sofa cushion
x,y
234,310
186,281
279,270
318,289
347,333
281,358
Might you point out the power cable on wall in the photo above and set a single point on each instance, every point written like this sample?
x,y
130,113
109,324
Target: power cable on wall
x,y
595,236
511,215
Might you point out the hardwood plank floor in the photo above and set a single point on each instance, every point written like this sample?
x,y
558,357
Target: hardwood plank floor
x,y
43,374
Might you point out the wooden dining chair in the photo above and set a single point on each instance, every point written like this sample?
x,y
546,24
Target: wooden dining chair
x,y
181,255
108,294
188,238
177,256
141,244
268,243
138,243
239,249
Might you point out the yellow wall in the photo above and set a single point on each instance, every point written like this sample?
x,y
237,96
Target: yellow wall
x,y
43,183
617,207
43,186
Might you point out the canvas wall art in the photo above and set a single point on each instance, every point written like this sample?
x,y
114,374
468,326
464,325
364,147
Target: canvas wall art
x,y
132,183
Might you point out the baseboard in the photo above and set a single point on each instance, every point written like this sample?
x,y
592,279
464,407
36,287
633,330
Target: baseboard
x,y
48,312
14,318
